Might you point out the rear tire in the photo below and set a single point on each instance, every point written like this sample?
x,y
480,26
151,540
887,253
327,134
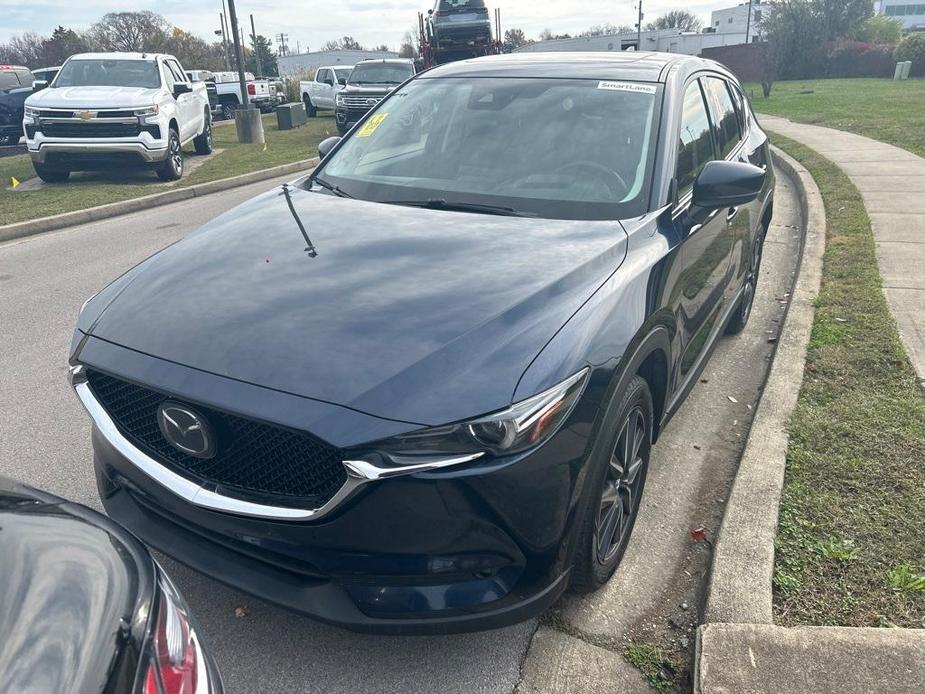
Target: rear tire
x,y
228,109
310,109
743,311
617,481
50,174
203,141
171,169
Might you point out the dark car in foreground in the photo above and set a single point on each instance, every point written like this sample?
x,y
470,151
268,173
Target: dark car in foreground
x,y
369,82
86,609
418,390
15,87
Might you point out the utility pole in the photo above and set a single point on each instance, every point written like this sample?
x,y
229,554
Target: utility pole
x,y
221,19
256,48
748,23
281,42
639,29
246,117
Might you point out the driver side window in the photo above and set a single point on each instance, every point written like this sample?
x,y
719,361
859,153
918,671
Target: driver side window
x,y
695,147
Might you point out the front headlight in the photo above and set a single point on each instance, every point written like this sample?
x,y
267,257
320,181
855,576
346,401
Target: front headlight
x,y
147,112
340,100
30,113
516,429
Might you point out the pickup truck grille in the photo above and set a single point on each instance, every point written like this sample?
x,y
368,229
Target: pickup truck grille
x,y
361,102
90,129
99,114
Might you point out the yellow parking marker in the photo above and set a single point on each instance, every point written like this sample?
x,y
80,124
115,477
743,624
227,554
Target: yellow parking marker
x,y
14,181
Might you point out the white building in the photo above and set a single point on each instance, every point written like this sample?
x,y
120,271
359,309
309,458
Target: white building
x,y
664,40
734,20
304,64
911,13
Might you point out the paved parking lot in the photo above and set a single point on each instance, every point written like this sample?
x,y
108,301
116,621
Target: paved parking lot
x,y
44,440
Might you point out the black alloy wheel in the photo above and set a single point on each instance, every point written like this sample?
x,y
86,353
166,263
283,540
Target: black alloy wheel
x,y
750,288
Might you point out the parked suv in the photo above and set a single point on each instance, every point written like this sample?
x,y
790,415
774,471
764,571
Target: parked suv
x,y
15,88
435,409
458,24
319,93
369,83
109,109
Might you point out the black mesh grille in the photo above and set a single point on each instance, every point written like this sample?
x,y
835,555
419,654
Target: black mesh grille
x,y
254,460
78,130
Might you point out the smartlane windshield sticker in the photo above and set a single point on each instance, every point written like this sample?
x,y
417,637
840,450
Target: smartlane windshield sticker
x,y
628,87
372,124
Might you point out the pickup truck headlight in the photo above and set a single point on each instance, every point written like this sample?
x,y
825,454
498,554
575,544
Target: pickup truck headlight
x,y
339,100
522,426
147,112
30,114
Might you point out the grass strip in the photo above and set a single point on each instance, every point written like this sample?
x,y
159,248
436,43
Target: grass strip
x,y
850,549
282,147
883,109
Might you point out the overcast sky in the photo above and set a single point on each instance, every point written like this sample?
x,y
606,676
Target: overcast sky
x,y
313,22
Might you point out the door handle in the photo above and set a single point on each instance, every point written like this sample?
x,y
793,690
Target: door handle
x,y
731,214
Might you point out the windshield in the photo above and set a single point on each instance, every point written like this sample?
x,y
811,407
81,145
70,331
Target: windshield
x,y
459,5
8,80
380,73
566,149
342,72
109,73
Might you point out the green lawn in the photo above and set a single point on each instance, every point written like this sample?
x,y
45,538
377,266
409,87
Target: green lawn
x,y
851,545
282,147
884,110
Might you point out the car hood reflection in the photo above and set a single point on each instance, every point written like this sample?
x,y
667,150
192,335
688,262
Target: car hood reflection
x,y
418,315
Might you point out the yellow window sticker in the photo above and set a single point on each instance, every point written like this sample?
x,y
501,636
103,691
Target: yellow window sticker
x,y
372,124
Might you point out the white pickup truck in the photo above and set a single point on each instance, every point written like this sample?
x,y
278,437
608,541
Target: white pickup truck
x,y
104,110
318,94
260,92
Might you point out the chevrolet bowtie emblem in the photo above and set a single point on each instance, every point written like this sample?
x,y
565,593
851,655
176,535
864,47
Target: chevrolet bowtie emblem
x,y
85,115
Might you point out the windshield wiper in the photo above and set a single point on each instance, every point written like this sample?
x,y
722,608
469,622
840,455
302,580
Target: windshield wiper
x,y
480,208
330,186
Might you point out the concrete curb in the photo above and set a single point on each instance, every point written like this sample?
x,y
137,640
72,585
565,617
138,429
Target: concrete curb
x,y
743,560
114,209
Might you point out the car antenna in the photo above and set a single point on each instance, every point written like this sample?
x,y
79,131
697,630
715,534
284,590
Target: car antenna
x,y
310,247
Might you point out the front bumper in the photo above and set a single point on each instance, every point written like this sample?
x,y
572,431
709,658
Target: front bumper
x,y
42,150
471,547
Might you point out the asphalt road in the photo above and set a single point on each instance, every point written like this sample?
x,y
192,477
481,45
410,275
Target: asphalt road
x,y
45,441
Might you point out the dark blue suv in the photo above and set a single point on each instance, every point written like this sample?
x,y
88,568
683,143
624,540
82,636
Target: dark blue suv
x,y
418,390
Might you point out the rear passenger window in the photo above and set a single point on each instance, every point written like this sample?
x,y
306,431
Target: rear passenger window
x,y
695,148
724,115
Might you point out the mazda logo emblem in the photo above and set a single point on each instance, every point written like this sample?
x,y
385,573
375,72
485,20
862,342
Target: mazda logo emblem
x,y
185,430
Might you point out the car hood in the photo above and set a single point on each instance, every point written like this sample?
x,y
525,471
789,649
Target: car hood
x,y
416,315
71,588
368,90
93,97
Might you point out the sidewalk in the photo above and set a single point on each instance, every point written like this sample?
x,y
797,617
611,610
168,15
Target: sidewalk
x,y
892,183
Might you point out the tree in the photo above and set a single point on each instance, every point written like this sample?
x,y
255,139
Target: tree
x,y
514,38
24,50
130,31
62,44
347,43
268,64
547,35
192,52
381,48
793,34
842,18
607,29
882,29
677,19
408,50
912,48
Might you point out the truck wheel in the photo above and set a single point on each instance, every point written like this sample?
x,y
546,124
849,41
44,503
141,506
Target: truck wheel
x,y
228,109
203,142
171,169
310,109
49,174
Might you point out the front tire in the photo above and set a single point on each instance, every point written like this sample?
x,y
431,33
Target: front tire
x,y
50,174
310,109
744,310
203,142
171,169
617,484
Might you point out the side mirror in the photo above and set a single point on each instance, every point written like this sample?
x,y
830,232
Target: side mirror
x,y
181,88
327,145
39,85
342,81
727,184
